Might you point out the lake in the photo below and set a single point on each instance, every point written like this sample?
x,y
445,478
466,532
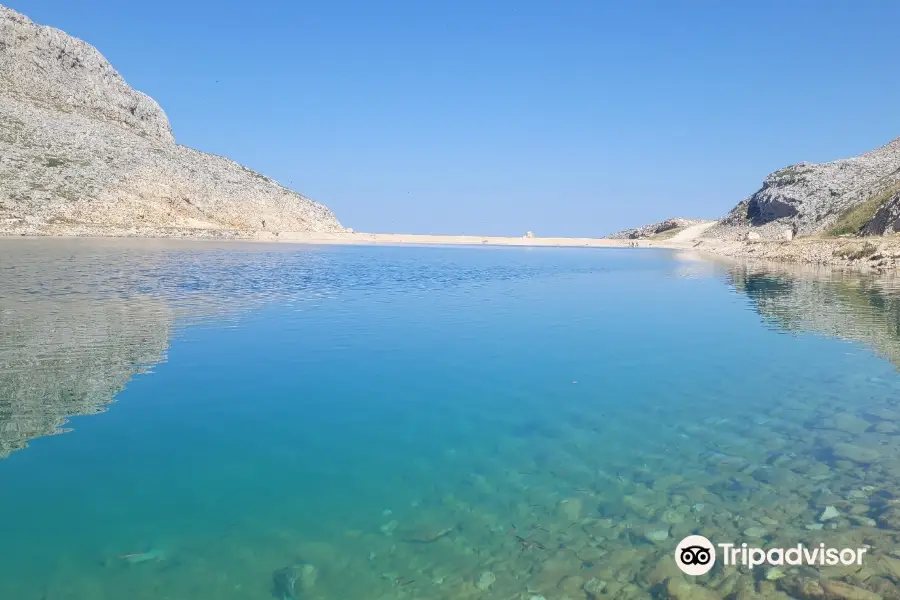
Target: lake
x,y
191,421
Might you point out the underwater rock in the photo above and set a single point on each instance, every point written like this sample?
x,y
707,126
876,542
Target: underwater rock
x,y
805,588
291,582
890,518
830,512
570,509
756,532
663,570
854,453
679,589
308,576
884,414
885,427
657,535
672,517
775,476
847,423
863,521
142,557
594,587
838,590
426,533
571,586
389,527
485,581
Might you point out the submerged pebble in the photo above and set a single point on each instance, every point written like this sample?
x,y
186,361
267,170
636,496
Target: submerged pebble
x,y
289,583
756,532
485,581
142,557
389,527
657,535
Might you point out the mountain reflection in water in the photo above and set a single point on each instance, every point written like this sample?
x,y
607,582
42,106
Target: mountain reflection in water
x,y
80,318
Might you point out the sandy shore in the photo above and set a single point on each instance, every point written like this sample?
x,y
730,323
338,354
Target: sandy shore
x,y
349,238
458,240
875,253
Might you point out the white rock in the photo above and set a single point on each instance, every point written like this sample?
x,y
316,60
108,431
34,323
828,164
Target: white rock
x,y
756,532
485,581
830,512
389,527
657,535
308,576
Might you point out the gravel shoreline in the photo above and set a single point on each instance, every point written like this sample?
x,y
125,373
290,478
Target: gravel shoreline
x,y
869,253
878,254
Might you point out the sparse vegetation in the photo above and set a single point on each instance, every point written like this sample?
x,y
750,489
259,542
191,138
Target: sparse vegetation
x,y
791,175
853,219
54,161
668,233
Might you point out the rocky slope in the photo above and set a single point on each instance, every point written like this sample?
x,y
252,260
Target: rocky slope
x,y
654,229
81,151
855,196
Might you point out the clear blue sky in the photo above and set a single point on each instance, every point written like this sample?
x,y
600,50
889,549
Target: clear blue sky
x,y
459,116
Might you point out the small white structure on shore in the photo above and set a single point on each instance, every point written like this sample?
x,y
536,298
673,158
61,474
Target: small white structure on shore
x,y
349,230
788,234
752,236
528,234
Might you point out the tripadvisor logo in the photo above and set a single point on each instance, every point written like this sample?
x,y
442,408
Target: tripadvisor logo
x,y
696,555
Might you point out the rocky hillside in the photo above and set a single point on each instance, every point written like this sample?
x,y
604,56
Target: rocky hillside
x,y
653,230
81,150
855,196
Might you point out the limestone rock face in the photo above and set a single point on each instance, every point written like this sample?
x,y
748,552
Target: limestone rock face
x,y
47,67
811,198
81,149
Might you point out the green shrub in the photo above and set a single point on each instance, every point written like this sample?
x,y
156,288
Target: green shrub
x,y
853,219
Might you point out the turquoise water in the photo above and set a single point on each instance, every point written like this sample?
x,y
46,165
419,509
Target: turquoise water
x,y
393,418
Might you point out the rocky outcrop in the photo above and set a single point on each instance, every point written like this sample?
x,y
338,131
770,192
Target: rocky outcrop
x,y
654,229
886,219
80,149
839,197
